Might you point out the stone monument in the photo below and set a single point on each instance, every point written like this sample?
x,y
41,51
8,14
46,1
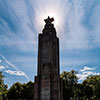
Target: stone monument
x,y
47,82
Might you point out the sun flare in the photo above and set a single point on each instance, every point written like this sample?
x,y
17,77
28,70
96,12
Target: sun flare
x,y
54,15
43,15
50,14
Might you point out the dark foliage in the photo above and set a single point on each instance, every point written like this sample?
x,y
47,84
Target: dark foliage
x,y
21,91
3,88
89,89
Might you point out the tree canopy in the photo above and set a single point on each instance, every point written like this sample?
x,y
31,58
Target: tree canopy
x,y
3,88
70,81
89,89
21,91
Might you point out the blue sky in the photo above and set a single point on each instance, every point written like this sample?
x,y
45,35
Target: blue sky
x,y
78,27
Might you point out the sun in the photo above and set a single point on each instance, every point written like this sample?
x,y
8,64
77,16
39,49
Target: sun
x,y
52,9
51,14
57,14
43,15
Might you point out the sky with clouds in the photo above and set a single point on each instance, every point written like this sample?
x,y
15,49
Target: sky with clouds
x,y
78,26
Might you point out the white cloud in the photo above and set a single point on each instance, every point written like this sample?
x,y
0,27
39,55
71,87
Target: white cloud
x,y
21,31
95,23
74,31
13,66
87,68
81,77
2,67
87,71
25,16
19,73
84,75
70,30
45,9
0,61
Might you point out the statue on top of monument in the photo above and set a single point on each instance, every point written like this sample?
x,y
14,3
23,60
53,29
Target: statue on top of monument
x,y
49,27
49,20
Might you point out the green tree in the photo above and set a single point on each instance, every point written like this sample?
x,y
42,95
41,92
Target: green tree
x,y
3,88
15,91
28,92
69,85
21,91
92,87
86,92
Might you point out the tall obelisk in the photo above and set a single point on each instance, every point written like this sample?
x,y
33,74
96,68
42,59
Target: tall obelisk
x,y
47,82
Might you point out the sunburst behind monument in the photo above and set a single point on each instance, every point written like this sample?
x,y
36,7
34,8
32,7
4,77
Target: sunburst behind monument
x,y
47,82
